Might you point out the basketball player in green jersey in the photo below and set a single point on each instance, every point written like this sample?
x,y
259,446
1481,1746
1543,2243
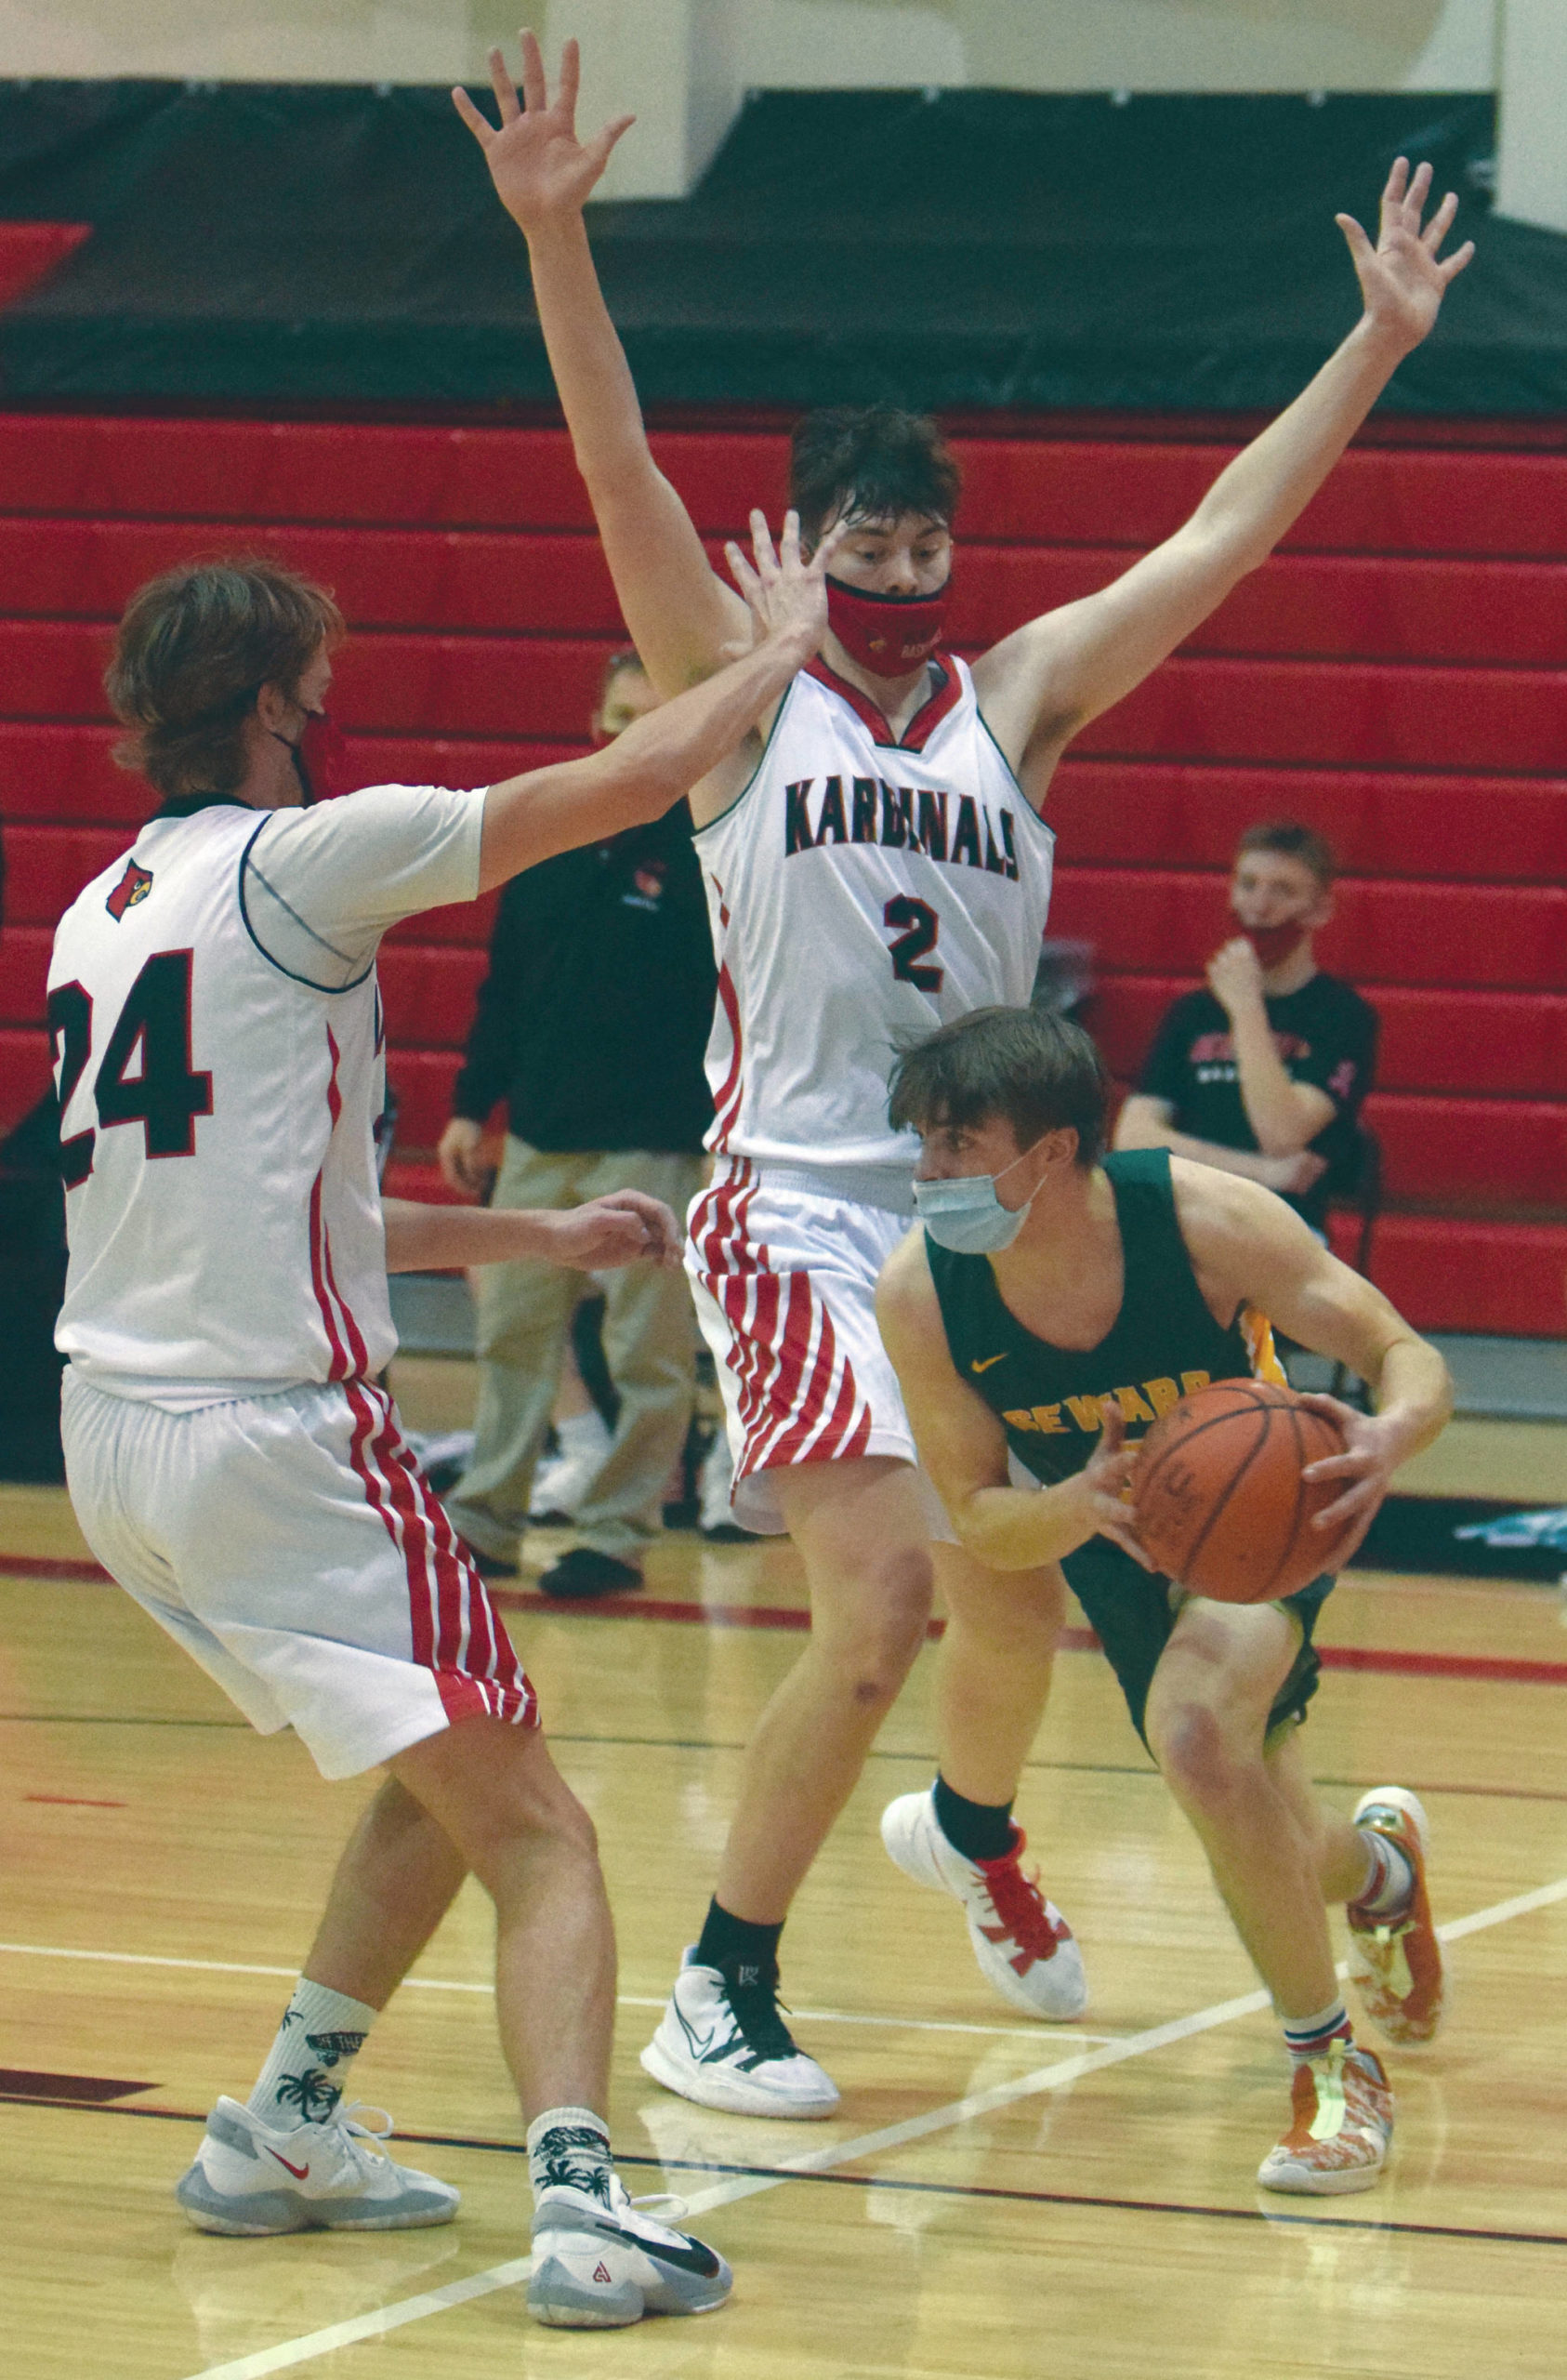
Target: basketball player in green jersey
x,y
1052,1304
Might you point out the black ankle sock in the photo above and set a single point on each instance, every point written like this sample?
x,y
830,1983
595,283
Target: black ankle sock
x,y
979,1829
734,1942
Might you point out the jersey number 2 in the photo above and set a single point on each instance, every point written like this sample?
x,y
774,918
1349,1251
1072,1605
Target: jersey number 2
x,y
165,1095
920,926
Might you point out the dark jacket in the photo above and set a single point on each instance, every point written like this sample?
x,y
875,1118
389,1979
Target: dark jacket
x,y
594,1016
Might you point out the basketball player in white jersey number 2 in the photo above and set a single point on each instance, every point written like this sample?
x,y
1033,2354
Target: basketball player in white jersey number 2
x,y
877,865
231,1458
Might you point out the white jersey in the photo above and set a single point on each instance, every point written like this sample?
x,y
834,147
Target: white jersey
x,y
219,1058
861,891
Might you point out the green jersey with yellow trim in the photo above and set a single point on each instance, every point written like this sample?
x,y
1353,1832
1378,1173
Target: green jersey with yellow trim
x,y
1162,1345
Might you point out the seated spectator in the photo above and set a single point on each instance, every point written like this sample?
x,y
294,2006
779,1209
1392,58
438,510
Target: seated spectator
x,y
592,1023
1263,1073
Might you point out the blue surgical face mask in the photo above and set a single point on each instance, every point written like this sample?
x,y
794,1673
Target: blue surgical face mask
x,y
965,1215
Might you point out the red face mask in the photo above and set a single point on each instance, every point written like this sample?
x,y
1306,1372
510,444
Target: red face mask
x,y
321,759
1274,945
889,635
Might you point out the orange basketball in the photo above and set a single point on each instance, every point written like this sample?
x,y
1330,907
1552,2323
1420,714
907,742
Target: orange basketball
x,y
1222,1505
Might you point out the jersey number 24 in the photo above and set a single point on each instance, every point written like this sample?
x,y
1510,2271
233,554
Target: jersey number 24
x,y
165,1095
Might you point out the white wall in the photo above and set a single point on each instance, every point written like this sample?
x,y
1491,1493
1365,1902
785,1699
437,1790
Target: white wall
x,y
1134,45
1531,166
684,66
1025,45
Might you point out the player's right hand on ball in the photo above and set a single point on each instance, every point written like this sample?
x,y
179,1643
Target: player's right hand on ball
x,y
786,593
1106,1483
626,1227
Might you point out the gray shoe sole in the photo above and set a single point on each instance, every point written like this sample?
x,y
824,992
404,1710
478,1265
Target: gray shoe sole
x,y
266,2213
557,2298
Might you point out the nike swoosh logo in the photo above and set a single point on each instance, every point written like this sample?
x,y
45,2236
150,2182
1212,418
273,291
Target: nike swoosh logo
x,y
691,2257
989,1361
704,2048
301,2173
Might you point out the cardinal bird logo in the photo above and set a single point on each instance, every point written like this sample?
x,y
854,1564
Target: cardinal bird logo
x,y
133,886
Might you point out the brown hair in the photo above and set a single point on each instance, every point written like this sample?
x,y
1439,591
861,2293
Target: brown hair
x,y
1292,840
870,463
1038,1069
195,648
624,658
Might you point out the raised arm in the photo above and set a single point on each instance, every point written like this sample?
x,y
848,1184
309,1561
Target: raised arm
x,y
681,616
1044,683
645,771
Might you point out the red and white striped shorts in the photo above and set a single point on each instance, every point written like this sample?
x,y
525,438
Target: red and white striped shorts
x,y
785,1284
289,1544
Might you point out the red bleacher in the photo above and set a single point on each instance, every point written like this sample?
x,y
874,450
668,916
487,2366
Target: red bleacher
x,y
1393,675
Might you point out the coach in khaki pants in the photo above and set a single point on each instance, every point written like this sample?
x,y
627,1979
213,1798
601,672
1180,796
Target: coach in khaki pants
x,y
592,1023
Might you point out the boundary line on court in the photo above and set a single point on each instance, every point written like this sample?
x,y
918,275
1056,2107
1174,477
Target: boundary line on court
x,y
896,2182
1060,2075
624,2000
1496,1668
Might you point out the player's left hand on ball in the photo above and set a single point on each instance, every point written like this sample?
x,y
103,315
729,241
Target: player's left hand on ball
x,y
1107,1479
626,1227
1373,1450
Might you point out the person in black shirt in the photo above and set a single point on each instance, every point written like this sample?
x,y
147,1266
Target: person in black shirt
x,y
591,1024
1263,1073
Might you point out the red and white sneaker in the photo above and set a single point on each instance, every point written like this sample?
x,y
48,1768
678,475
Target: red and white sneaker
x,y
1396,1963
1023,1944
1341,2123
252,2182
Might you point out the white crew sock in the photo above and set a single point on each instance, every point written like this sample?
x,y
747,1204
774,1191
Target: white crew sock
x,y
321,2033
568,2148
1390,1878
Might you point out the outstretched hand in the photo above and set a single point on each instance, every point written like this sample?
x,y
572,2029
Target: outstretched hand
x,y
623,1227
787,595
1404,278
540,168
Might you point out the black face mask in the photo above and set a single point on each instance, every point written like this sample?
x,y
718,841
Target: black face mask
x,y
320,758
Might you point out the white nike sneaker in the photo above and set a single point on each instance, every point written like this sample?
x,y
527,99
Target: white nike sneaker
x,y
563,1480
1023,1944
725,2045
250,2181
600,2263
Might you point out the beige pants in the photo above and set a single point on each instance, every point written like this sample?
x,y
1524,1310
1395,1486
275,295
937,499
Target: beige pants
x,y
523,1314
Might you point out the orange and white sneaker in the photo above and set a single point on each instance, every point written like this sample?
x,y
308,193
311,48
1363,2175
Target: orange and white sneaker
x,y
1396,1963
1342,2120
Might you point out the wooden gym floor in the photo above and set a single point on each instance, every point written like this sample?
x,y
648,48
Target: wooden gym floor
x,y
996,2200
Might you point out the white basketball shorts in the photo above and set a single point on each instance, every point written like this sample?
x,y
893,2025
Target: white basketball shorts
x,y
289,1544
785,1285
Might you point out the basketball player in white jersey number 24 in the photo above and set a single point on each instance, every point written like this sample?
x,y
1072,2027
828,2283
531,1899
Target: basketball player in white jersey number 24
x,y
877,866
231,1456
